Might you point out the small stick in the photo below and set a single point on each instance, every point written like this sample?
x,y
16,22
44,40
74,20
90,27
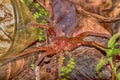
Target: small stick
x,y
37,75
101,18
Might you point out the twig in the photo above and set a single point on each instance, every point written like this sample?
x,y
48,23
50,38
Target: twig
x,y
101,18
37,75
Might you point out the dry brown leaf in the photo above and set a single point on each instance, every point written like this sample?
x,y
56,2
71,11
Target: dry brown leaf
x,y
95,6
89,24
116,10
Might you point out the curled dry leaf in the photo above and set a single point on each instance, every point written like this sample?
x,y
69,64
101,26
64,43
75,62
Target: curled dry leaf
x,y
15,35
7,27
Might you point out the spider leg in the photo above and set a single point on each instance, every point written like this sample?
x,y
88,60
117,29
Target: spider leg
x,y
92,43
78,41
51,30
49,52
87,43
25,53
84,34
54,26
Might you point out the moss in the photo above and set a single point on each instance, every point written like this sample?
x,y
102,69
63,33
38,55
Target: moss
x,y
65,70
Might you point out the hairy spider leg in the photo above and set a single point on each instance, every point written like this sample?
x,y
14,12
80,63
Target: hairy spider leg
x,y
80,41
54,26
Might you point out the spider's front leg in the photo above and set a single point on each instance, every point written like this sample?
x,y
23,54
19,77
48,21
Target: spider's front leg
x,y
78,40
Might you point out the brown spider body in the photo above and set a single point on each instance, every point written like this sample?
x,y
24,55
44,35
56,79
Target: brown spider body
x,y
59,43
64,43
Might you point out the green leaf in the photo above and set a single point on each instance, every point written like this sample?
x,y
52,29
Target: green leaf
x,y
36,15
36,5
116,51
111,42
101,63
32,66
117,44
118,76
109,52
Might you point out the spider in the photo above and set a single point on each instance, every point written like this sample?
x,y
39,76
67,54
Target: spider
x,y
59,42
